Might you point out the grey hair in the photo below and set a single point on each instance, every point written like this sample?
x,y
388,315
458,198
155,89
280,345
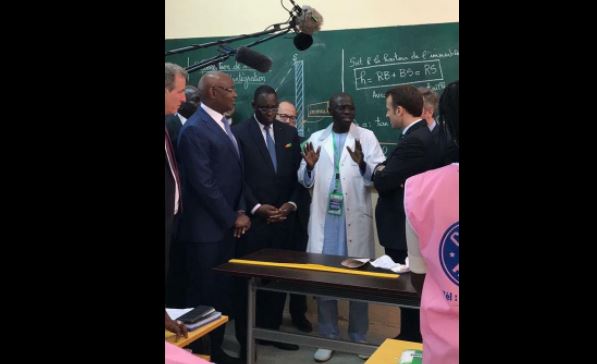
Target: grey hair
x,y
171,71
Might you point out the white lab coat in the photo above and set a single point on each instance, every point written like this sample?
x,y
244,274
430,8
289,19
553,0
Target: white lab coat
x,y
356,188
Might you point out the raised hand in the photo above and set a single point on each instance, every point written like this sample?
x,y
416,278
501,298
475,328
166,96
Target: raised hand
x,y
310,156
357,156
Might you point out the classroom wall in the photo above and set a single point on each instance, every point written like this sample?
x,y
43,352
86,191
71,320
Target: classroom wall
x,y
202,18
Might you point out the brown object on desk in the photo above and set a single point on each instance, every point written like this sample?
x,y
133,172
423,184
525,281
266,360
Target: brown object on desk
x,y
195,334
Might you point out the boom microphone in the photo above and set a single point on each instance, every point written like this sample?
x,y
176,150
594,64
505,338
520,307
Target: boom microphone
x,y
302,41
309,20
305,21
253,59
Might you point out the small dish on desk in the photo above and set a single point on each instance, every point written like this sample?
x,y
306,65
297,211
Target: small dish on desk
x,y
354,263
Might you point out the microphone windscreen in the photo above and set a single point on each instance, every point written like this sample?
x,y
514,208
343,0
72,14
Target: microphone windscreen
x,y
253,59
302,41
310,20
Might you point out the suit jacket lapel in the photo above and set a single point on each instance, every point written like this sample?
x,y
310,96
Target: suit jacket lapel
x,y
280,139
217,130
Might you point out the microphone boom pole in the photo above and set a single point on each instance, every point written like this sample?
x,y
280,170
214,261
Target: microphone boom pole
x,y
208,62
220,58
283,31
227,40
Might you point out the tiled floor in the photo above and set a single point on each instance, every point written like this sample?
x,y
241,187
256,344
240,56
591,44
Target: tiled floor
x,y
379,329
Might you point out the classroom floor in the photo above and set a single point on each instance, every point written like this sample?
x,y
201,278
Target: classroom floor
x,y
378,331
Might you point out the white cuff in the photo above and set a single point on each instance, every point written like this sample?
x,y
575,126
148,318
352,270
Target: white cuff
x,y
255,208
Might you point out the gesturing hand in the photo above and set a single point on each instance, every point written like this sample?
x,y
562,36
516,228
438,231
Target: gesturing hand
x,y
310,156
357,156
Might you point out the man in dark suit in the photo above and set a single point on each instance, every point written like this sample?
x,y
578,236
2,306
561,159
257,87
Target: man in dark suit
x,y
414,154
214,211
188,108
173,125
298,302
271,157
174,122
445,150
429,107
176,78
175,284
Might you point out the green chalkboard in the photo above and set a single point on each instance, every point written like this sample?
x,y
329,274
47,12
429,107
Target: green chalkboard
x,y
362,62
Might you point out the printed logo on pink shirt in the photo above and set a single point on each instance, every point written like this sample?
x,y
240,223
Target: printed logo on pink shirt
x,y
449,253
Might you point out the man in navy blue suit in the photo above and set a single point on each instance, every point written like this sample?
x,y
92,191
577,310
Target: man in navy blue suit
x,y
213,216
271,153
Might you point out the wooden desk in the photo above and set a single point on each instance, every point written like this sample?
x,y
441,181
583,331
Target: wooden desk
x,y
399,292
390,351
197,333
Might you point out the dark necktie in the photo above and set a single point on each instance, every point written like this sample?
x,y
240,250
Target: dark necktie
x,y
271,147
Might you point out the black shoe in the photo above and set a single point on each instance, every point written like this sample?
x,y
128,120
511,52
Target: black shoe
x,y
301,323
222,358
282,346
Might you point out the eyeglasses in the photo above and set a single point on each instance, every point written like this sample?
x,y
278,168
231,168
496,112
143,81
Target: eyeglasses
x,y
267,108
229,90
286,116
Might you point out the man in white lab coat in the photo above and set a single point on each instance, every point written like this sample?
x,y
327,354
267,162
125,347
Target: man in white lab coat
x,y
337,163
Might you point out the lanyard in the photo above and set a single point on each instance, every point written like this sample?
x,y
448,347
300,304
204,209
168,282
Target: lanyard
x,y
336,161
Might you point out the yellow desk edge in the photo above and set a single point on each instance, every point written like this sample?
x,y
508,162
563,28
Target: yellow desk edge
x,y
318,267
195,334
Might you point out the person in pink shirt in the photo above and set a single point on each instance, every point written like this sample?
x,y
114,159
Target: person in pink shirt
x,y
176,355
431,202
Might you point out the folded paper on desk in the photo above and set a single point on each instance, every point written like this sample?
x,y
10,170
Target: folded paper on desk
x,y
319,267
385,262
176,314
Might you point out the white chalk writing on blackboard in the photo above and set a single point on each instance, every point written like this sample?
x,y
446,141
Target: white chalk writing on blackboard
x,y
399,73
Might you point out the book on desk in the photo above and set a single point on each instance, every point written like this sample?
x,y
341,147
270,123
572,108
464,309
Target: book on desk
x,y
193,318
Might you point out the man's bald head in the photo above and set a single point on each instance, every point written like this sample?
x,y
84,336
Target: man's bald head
x,y
217,91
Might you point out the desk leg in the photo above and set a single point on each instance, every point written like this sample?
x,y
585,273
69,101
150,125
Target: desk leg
x,y
251,321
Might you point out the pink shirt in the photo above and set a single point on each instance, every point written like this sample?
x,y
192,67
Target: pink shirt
x,y
176,355
431,206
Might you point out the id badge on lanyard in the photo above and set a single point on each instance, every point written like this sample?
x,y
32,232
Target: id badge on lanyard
x,y
336,199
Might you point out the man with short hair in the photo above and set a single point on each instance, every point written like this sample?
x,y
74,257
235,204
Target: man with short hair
x,y
214,217
414,154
